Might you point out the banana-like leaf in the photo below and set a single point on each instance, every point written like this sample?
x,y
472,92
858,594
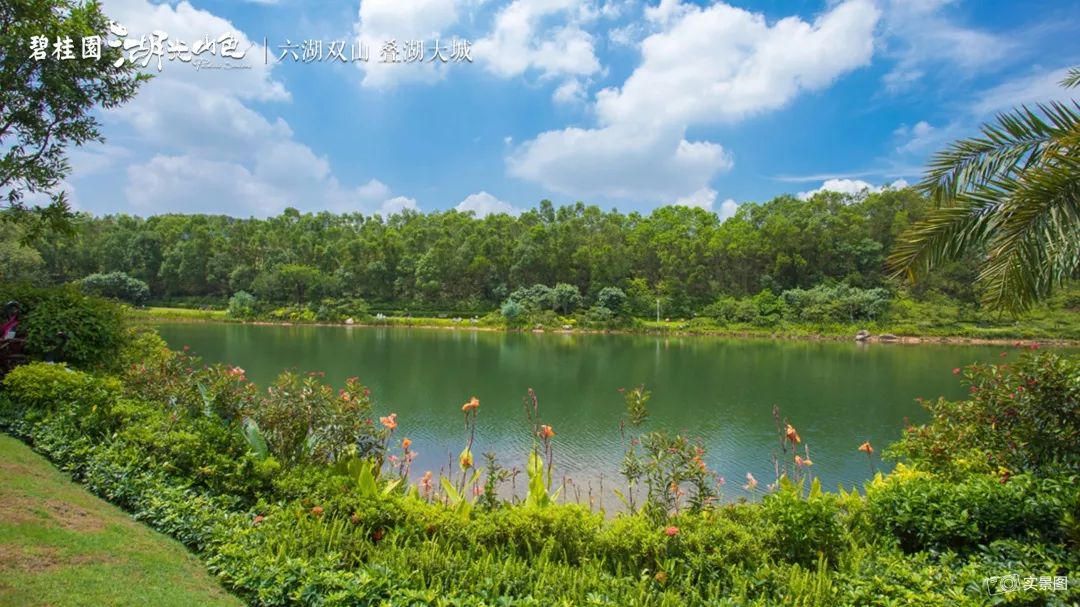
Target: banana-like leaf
x,y
254,438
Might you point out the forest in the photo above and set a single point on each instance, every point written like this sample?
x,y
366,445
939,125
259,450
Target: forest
x,y
449,261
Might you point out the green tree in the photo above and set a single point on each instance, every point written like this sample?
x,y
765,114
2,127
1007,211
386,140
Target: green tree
x,y
116,285
47,103
1013,194
566,298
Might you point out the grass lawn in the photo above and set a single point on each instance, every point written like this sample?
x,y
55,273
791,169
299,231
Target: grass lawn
x,y
60,545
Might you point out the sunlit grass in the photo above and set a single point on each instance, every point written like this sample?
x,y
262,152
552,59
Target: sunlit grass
x,y
59,546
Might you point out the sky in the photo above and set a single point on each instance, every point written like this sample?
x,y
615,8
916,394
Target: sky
x,y
624,104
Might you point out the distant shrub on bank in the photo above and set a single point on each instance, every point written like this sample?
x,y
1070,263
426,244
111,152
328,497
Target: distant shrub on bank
x,y
116,285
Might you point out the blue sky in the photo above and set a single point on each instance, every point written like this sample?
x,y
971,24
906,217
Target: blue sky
x,y
628,105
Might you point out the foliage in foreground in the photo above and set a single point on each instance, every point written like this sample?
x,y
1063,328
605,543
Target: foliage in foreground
x,y
93,328
303,509
1011,192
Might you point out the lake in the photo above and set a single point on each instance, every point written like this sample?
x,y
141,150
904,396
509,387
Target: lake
x,y
837,394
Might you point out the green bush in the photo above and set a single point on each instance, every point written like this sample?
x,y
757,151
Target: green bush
x,y
923,511
565,298
40,389
116,285
304,420
612,298
807,527
1020,417
94,326
839,303
242,306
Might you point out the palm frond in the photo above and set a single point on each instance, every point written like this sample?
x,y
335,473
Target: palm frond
x,y
944,234
1013,192
1036,245
1015,141
1073,79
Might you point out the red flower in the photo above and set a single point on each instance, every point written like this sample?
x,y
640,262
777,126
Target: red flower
x,y
406,443
866,448
472,405
956,371
317,511
546,432
377,535
672,531
258,519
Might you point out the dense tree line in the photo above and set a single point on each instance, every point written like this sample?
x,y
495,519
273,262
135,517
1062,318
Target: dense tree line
x,y
453,261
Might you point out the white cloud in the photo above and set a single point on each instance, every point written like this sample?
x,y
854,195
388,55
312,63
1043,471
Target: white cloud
x,y
627,35
705,198
1039,87
853,187
570,92
484,204
519,42
917,138
619,161
382,20
193,142
639,150
728,208
919,35
666,11
750,66
191,184
397,205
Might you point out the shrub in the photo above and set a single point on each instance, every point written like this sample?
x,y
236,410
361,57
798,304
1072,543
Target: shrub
x,y
807,528
565,298
336,310
116,285
1022,417
535,298
839,303
38,389
923,511
612,298
303,420
94,326
242,306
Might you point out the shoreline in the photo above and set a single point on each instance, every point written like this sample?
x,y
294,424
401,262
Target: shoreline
x,y
882,338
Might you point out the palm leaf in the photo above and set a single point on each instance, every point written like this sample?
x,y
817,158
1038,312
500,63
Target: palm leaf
x,y
1012,192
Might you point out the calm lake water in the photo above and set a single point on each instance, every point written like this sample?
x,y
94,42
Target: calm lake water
x,y
836,394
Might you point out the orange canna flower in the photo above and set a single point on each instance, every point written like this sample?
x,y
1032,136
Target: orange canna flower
x,y
258,519
546,432
472,405
672,531
792,435
389,422
406,443
866,448
799,461
317,510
